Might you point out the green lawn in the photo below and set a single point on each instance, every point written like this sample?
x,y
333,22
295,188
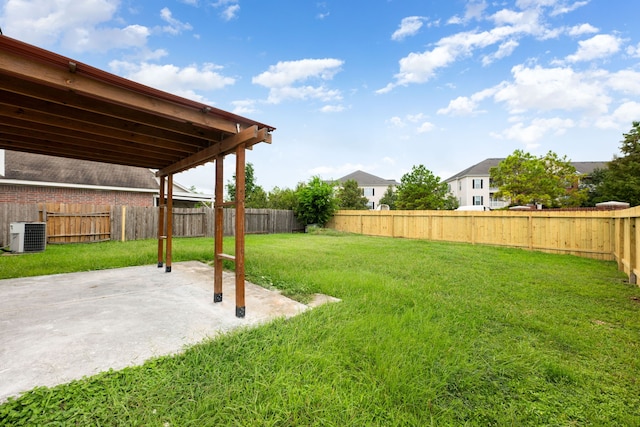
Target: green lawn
x,y
427,333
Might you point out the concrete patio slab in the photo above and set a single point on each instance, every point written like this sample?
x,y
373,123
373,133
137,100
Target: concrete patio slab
x,y
54,329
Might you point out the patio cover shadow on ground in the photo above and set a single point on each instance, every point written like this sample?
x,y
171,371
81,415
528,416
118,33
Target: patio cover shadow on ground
x,y
54,329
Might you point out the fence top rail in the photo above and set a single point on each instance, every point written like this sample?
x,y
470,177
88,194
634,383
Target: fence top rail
x,y
628,213
500,213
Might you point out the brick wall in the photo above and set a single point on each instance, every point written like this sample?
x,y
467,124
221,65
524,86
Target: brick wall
x,y
27,194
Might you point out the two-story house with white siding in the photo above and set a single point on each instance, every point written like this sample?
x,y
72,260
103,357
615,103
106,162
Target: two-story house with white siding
x,y
472,186
373,187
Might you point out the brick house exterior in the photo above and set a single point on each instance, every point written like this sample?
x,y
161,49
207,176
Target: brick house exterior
x,y
27,178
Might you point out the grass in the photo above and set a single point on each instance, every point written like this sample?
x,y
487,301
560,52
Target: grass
x,y
428,333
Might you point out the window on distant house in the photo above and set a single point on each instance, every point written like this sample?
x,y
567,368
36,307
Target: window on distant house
x,y
477,200
477,183
369,192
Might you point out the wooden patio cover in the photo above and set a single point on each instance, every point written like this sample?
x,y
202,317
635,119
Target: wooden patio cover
x,y
53,105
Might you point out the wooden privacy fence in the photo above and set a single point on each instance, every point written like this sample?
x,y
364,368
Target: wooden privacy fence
x,y
142,222
627,239
605,235
71,223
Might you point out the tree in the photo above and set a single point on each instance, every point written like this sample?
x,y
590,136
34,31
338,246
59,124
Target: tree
x,y
254,195
621,182
548,180
350,196
420,189
316,202
285,198
593,185
389,198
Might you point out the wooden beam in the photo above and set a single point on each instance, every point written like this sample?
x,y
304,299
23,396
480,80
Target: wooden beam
x,y
219,230
51,148
63,137
249,136
106,107
49,75
79,115
239,255
161,231
133,136
169,223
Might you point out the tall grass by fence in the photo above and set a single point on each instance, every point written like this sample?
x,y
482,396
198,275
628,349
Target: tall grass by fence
x,y
69,223
605,235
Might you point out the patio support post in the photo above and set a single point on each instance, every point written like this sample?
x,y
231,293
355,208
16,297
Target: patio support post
x,y
219,229
169,221
161,231
240,194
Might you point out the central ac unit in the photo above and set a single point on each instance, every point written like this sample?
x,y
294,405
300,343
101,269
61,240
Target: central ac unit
x,y
28,236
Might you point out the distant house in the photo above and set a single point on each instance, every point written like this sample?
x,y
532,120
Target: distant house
x,y
472,186
373,187
36,178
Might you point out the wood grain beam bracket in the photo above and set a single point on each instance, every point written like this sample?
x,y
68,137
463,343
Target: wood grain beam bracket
x,y
250,136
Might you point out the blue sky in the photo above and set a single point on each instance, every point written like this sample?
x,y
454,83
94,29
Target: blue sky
x,y
375,85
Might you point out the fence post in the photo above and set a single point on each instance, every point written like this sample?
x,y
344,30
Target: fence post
x,y
633,254
530,224
124,223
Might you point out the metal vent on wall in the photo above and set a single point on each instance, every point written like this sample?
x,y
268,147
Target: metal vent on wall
x,y
28,236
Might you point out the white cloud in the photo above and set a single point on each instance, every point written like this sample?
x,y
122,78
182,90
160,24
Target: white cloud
x,y
465,106
243,107
599,46
288,72
561,7
460,106
409,26
323,10
170,78
152,55
281,79
415,118
579,30
531,134
504,50
78,25
230,9
621,118
419,119
510,25
101,40
396,122
231,12
425,127
175,26
421,67
332,109
634,51
546,89
625,81
474,10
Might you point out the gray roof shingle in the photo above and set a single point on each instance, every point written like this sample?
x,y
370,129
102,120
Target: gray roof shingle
x,y
41,168
482,168
366,179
